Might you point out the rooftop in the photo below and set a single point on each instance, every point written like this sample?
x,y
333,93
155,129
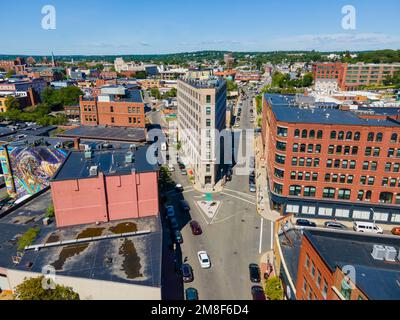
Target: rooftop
x,y
287,110
132,260
212,83
109,162
379,280
121,134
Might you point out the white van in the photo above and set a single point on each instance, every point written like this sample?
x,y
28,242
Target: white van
x,y
368,227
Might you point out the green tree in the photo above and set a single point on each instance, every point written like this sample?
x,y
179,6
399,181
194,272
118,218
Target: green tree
x,y
273,289
308,80
231,86
50,212
12,103
259,104
155,93
33,289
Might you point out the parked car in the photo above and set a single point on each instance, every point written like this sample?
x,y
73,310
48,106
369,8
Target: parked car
x,y
184,205
171,167
305,223
196,229
258,293
187,273
181,166
170,211
178,236
173,223
335,225
204,259
255,273
368,227
184,172
252,187
396,231
179,187
191,294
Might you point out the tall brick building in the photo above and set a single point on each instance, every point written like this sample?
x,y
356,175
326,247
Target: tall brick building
x,y
114,106
332,163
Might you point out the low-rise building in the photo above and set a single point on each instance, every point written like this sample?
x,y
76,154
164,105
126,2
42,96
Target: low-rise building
x,y
114,106
105,185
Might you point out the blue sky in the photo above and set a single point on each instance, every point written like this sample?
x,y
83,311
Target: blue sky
x,y
138,27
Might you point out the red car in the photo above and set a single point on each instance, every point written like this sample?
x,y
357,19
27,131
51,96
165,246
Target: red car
x,y
396,231
196,229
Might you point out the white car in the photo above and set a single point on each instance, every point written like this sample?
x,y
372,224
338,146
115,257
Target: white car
x,y
171,168
204,260
368,227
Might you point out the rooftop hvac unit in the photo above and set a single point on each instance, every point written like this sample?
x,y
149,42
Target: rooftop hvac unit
x,y
88,154
93,171
379,252
390,254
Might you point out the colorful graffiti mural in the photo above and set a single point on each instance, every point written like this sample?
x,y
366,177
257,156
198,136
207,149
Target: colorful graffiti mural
x,y
28,170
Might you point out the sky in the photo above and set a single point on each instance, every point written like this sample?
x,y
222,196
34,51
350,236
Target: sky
x,y
118,27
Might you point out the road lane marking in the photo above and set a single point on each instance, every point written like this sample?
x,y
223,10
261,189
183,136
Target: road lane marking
x,y
261,236
201,212
244,200
242,193
272,235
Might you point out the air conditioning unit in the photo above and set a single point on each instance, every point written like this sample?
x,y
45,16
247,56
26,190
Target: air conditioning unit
x,y
390,254
379,252
93,171
88,154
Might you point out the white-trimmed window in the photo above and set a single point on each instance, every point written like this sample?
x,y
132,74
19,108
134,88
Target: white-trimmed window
x,y
363,215
342,213
292,208
325,211
396,218
308,210
380,216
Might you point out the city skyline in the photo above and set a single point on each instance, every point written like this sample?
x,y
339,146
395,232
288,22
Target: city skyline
x,y
159,28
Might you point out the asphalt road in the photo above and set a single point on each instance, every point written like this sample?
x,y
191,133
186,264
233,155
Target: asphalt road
x,y
234,237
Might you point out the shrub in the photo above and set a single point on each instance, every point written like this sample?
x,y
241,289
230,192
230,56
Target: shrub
x,y
28,238
273,289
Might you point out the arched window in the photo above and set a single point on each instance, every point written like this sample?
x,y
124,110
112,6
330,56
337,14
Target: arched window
x,y
368,195
333,134
312,134
329,193
357,136
349,135
394,138
295,190
371,136
386,197
309,191
360,196
319,134
379,137
341,135
354,151
304,134
344,194
297,133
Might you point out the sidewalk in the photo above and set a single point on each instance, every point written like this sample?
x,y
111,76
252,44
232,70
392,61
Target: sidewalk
x,y
263,202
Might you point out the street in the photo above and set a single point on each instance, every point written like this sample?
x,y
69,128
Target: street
x,y
235,236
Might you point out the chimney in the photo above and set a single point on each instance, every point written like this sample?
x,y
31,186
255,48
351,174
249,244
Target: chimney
x,y
77,142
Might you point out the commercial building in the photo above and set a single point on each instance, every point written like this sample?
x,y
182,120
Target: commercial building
x,y
247,76
113,106
123,262
338,265
105,185
201,116
331,163
354,76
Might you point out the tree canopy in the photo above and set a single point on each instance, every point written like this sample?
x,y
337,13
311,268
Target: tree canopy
x,y
33,289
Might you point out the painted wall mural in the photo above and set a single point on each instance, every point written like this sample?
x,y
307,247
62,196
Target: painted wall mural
x,y
28,170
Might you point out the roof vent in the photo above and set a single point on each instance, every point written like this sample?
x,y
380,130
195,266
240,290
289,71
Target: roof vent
x,y
88,154
379,252
129,157
93,171
390,254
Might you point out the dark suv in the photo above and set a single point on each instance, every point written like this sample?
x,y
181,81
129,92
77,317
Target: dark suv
x,y
187,273
305,223
255,273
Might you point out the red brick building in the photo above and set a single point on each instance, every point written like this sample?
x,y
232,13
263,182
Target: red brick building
x,y
354,76
102,186
114,106
332,163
